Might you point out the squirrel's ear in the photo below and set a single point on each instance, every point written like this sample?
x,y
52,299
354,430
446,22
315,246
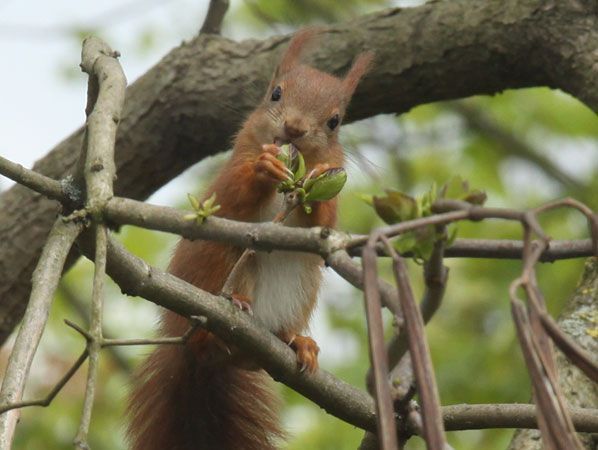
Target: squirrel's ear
x,y
298,44
360,66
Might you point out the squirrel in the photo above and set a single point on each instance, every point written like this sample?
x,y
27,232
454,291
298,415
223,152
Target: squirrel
x,y
186,398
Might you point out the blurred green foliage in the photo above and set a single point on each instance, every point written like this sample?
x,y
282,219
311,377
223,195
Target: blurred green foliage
x,y
476,357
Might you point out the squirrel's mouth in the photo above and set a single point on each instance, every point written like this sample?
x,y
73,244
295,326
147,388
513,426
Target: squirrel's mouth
x,y
283,141
279,141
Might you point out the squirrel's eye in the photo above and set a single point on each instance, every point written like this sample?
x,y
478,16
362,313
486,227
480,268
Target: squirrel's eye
x,y
333,122
276,94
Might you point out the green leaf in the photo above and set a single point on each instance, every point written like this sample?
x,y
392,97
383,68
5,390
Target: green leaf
x,y
406,242
426,238
458,189
427,200
300,170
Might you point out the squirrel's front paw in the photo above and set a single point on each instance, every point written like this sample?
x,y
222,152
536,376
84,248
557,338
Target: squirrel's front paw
x,y
269,167
242,302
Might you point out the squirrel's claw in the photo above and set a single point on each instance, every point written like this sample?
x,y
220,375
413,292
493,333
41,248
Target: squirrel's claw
x,y
242,302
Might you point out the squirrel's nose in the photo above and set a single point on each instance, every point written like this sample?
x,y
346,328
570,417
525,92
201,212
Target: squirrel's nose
x,y
294,129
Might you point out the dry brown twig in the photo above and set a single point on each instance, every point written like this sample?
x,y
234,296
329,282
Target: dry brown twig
x,y
387,434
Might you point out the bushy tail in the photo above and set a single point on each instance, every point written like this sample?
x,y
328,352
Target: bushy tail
x,y
179,404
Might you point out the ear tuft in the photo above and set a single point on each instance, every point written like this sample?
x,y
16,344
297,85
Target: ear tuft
x,y
296,47
360,66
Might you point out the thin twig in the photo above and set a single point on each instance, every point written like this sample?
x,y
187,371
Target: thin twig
x,y
55,390
435,279
213,22
95,331
195,322
106,96
509,415
76,303
433,428
105,100
45,281
33,180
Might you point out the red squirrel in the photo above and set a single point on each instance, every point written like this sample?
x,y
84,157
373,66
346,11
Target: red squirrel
x,y
183,397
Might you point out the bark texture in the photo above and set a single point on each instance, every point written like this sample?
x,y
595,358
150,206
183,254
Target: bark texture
x,y
580,321
189,105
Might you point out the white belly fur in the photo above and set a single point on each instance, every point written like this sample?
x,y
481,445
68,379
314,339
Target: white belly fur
x,y
286,283
285,289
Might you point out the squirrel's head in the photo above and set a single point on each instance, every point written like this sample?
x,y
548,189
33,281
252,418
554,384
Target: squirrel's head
x,y
303,105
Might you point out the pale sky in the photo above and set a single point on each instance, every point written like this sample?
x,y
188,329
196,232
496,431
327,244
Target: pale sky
x,y
39,104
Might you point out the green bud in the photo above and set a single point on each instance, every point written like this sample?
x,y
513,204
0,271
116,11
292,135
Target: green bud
x,y
209,203
326,186
194,202
476,197
396,207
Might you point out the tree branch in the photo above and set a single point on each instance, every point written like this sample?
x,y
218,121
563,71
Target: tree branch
x,y
213,22
45,281
478,417
105,99
135,277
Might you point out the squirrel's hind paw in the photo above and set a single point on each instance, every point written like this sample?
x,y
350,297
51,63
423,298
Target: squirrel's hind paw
x,y
307,351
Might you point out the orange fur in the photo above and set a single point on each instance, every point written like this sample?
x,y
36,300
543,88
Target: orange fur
x,y
192,397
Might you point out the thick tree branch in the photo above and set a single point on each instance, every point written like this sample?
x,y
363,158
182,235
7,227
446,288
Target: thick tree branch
x,y
136,277
190,103
338,398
